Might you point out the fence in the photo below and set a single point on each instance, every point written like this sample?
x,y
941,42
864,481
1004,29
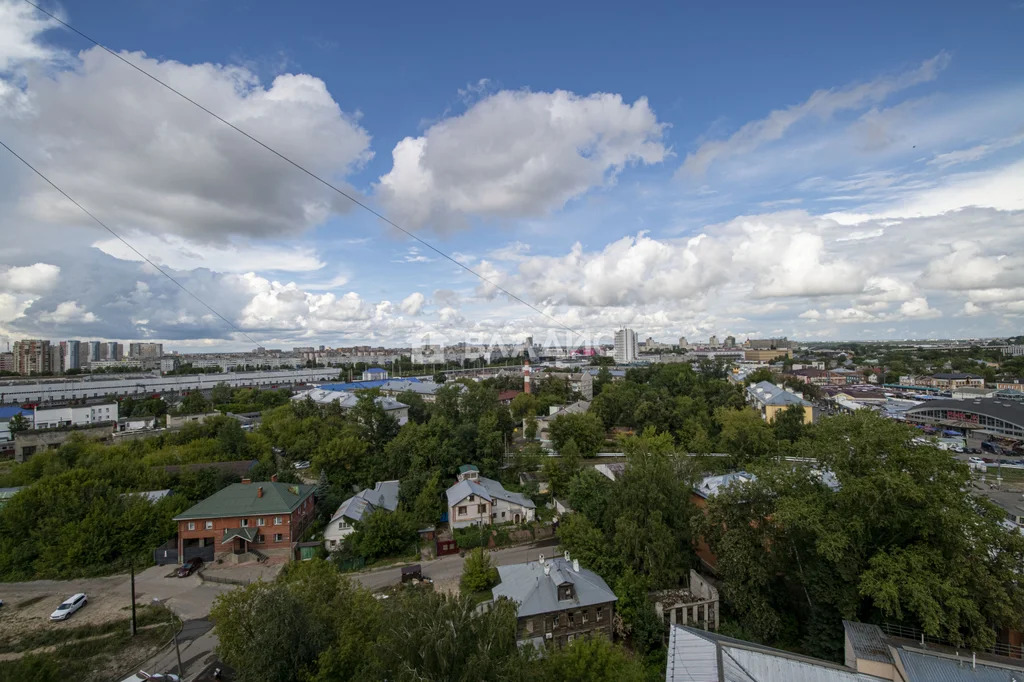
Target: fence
x,y
223,581
166,553
904,632
351,564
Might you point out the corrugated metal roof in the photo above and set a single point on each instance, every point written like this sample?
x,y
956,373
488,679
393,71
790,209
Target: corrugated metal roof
x,y
929,668
464,489
712,485
383,495
768,393
693,655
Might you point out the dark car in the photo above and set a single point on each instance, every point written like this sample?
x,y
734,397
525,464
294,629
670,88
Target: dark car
x,y
190,567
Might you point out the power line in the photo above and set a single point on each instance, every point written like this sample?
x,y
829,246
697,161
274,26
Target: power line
x,y
308,172
125,242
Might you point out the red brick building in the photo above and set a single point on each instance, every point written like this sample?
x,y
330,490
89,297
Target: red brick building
x,y
266,516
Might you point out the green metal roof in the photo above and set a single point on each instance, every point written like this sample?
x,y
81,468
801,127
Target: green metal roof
x,y
247,534
467,467
241,499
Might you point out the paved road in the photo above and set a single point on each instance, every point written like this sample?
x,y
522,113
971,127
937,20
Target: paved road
x,y
449,568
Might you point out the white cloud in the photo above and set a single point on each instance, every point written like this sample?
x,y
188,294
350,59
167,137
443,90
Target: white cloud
x,y
413,303
69,312
20,27
822,104
976,152
967,267
183,254
35,278
518,153
142,158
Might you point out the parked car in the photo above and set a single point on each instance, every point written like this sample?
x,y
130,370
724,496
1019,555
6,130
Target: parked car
x,y
143,676
302,464
190,567
69,606
975,460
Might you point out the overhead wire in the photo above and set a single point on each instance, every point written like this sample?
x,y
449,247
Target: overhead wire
x,y
124,241
308,172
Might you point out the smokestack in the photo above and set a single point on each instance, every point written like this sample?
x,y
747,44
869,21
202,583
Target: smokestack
x,y
259,491
246,481
273,478
526,376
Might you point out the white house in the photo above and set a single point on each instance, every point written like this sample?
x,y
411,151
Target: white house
x,y
375,374
347,401
476,500
384,496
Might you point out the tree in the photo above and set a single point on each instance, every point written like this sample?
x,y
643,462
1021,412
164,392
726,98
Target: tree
x,y
595,659
17,424
194,403
530,430
603,378
583,428
758,375
221,394
429,504
639,623
418,410
744,435
523,405
789,424
477,572
383,534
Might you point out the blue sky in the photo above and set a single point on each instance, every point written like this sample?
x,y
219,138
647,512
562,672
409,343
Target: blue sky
x,y
816,171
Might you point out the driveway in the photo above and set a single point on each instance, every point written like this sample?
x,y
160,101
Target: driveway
x,y
448,569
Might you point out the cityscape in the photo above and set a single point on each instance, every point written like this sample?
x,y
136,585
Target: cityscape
x,y
583,342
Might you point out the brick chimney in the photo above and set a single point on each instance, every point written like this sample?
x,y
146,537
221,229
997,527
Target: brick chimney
x,y
259,491
526,376
246,481
273,478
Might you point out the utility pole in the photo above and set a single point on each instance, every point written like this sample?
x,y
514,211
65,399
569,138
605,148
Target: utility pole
x,y
134,623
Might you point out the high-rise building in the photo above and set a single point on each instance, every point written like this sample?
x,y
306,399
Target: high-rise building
x,y
713,341
72,354
682,342
7,362
145,351
83,354
56,359
625,346
32,356
95,351
114,350
730,342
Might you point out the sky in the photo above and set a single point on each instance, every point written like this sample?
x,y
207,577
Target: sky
x,y
684,169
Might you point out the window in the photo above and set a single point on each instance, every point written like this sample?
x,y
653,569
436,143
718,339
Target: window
x,y
495,515
191,525
277,520
471,498
502,514
481,509
585,616
261,522
462,511
209,525
600,613
529,625
261,539
245,523
277,537
572,620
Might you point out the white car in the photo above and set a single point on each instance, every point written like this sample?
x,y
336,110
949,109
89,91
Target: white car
x,y
302,464
70,605
143,676
975,460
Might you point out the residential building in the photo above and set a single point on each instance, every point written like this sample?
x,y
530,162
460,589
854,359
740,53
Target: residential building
x,y
6,414
56,359
266,516
475,500
902,654
557,601
7,362
978,418
712,341
956,380
1010,385
83,355
696,655
625,346
73,355
94,351
74,415
769,400
556,411
383,497
612,470
169,363
145,351
32,356
346,400
766,355
375,374
730,342
683,343
114,350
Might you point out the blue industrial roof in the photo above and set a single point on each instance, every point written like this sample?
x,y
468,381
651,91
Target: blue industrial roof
x,y
356,385
376,370
10,411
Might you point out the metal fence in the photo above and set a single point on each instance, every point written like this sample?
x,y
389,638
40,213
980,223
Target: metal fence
x,y
919,636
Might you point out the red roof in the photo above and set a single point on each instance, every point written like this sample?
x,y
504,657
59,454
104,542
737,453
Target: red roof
x,y
508,395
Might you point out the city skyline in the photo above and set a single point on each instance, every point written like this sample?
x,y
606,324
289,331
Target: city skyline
x,y
678,187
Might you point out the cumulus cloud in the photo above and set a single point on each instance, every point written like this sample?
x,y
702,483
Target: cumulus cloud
x,y
35,278
518,153
68,311
20,27
967,267
413,303
143,158
822,104
181,254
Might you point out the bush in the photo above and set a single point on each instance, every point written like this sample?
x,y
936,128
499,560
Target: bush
x,y
477,572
